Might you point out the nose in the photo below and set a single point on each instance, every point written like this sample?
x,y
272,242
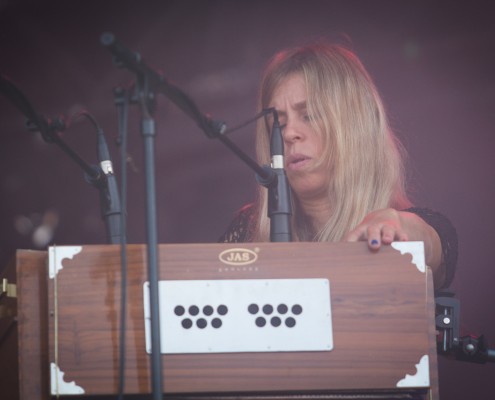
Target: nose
x,y
291,132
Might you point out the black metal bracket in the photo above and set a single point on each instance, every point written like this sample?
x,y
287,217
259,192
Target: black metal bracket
x,y
470,348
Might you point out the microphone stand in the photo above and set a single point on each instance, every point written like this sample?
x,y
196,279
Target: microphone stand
x,y
47,127
279,199
273,177
146,82
149,80
146,96
95,175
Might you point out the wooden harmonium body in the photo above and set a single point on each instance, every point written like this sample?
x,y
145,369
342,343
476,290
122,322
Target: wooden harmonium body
x,y
257,320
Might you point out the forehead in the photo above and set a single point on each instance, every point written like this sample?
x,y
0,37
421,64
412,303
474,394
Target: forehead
x,y
290,92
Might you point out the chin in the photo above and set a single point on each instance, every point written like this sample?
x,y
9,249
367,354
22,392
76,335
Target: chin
x,y
309,189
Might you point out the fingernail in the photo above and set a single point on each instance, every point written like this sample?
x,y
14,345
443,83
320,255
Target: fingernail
x,y
374,242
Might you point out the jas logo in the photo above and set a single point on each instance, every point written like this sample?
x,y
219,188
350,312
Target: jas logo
x,y
238,256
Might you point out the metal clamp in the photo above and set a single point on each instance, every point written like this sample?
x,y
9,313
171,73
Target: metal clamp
x,y
8,289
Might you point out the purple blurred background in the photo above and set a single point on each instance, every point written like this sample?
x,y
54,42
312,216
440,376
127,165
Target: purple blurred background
x,y
434,63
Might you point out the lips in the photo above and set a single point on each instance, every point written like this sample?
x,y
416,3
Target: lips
x,y
297,161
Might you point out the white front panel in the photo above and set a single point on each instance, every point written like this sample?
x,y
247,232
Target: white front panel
x,y
252,315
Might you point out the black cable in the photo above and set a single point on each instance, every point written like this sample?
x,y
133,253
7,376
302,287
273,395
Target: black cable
x,y
263,113
87,115
265,174
123,104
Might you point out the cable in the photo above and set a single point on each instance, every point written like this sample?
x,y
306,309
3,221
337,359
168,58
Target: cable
x,y
263,113
87,115
122,102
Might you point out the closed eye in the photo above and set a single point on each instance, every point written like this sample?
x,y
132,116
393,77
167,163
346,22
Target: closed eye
x,y
310,117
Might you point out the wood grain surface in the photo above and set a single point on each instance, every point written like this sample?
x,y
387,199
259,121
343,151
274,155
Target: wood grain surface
x,y
380,314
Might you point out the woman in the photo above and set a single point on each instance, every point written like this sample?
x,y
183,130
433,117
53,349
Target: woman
x,y
343,163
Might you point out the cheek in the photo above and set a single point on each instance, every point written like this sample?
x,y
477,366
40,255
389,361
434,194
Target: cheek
x,y
315,140
317,147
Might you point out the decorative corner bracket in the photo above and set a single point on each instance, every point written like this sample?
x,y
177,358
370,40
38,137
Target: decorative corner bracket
x,y
422,376
57,254
59,386
416,249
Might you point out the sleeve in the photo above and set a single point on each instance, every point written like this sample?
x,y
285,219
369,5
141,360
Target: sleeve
x,y
240,227
448,239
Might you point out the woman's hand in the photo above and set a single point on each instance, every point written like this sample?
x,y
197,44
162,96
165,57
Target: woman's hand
x,y
380,226
388,225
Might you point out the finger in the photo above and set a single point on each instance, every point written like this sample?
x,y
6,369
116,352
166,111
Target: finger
x,y
389,233
356,234
402,236
374,237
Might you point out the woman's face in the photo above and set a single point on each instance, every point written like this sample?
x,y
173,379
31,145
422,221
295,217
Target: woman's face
x,y
302,145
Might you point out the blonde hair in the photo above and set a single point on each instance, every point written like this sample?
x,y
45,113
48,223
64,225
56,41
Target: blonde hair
x,y
363,156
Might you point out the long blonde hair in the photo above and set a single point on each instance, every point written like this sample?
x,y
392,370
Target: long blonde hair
x,y
363,156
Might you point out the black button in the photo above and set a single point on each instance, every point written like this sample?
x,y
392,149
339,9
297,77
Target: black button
x,y
297,309
253,309
276,321
208,310
260,322
216,322
193,310
201,323
222,309
267,309
282,309
179,311
186,323
290,322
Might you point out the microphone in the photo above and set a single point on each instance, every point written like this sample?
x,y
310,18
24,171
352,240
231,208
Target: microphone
x,y
103,154
276,144
109,194
279,198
